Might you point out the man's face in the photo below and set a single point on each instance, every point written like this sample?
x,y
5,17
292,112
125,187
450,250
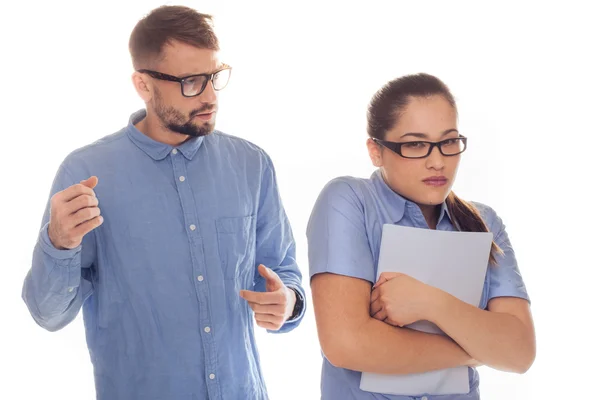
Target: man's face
x,y
192,116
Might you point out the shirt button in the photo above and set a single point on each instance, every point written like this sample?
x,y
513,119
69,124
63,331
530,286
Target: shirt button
x,y
200,278
70,290
212,376
174,151
193,227
207,329
181,178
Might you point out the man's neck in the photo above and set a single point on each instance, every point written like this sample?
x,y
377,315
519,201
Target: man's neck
x,y
151,127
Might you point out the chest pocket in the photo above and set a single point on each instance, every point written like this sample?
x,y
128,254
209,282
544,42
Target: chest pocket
x,y
237,241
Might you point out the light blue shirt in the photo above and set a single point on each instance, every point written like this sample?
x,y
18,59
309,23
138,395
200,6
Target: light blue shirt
x,y
184,231
344,236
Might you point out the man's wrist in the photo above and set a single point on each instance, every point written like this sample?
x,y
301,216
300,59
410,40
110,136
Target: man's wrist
x,y
51,250
296,304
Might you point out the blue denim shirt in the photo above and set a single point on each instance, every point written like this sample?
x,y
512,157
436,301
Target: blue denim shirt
x,y
344,237
184,231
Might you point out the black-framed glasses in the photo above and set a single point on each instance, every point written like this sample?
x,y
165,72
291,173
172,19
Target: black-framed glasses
x,y
422,149
194,85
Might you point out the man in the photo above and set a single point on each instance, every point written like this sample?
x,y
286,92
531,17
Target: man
x,y
167,272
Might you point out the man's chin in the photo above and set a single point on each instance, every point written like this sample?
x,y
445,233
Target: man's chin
x,y
205,132
194,130
205,129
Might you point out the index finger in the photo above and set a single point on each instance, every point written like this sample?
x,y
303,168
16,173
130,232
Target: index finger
x,y
384,277
375,294
75,191
264,298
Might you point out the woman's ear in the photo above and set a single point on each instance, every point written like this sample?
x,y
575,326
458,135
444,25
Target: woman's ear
x,y
375,152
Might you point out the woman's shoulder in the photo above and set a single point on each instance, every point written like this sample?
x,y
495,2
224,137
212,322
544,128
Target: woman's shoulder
x,y
346,187
489,216
345,193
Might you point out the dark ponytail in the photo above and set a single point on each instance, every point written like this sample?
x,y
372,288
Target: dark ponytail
x,y
388,104
465,217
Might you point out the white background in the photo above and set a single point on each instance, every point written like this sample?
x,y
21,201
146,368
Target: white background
x,y
526,80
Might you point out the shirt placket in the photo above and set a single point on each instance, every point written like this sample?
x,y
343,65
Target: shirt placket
x,y
193,230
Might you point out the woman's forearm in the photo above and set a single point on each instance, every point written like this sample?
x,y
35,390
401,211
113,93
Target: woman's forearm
x,y
380,348
496,339
350,338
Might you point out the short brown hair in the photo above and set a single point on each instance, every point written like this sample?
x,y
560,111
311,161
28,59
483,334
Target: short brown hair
x,y
166,24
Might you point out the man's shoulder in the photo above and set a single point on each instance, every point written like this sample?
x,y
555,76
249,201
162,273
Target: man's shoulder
x,y
98,151
233,140
240,146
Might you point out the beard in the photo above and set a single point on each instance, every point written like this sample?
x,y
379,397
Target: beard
x,y
178,122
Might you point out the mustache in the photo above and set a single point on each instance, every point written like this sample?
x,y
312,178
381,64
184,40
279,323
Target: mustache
x,y
202,110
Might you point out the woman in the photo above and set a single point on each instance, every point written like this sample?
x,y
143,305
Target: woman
x,y
415,144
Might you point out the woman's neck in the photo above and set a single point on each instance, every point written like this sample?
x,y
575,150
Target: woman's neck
x,y
431,214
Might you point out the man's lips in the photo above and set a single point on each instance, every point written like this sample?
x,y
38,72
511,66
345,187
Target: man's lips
x,y
205,116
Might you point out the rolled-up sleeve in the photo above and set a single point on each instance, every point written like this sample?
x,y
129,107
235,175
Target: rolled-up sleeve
x,y
337,236
505,278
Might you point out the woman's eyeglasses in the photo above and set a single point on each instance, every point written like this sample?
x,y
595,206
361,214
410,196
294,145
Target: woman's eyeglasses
x,y
422,149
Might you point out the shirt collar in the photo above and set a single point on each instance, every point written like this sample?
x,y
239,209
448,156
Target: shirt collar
x,y
394,203
158,150
445,212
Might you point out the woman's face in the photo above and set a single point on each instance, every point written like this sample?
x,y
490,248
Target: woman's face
x,y
425,181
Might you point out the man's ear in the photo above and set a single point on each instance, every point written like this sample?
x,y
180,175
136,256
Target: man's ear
x,y
142,85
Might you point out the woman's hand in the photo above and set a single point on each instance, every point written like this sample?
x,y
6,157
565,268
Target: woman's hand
x,y
399,300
